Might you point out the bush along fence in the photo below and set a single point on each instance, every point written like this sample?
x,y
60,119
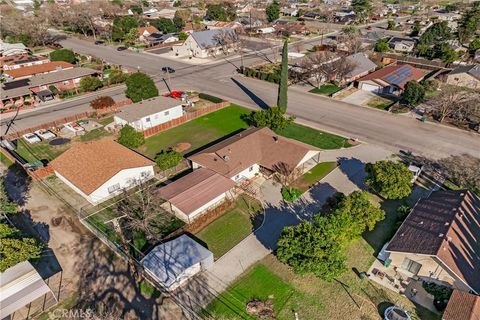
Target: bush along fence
x,y
267,76
75,117
185,118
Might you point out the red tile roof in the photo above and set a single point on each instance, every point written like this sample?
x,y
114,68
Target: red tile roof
x,y
149,29
40,68
398,75
462,306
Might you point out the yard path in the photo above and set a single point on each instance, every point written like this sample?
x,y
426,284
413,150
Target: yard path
x,y
347,178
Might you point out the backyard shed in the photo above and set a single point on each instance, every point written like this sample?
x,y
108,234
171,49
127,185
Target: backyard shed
x,y
174,262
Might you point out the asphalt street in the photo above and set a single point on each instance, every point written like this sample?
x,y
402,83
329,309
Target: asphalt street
x,y
394,132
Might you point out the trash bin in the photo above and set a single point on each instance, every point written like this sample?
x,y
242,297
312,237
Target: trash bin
x,y
387,263
362,275
424,119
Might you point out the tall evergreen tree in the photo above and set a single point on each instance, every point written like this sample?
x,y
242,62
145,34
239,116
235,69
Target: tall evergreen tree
x,y
283,86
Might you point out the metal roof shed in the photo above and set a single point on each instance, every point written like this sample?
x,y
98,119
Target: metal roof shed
x,y
19,286
174,262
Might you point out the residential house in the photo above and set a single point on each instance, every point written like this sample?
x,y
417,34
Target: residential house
x,y
462,306
28,72
439,241
100,169
390,79
465,76
289,27
191,27
402,44
21,285
266,30
62,80
15,93
196,193
202,44
255,151
159,38
173,262
11,49
21,60
149,113
312,15
144,32
289,12
234,25
361,66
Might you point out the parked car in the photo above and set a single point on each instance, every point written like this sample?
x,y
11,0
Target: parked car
x,y
122,48
32,138
98,42
168,69
45,134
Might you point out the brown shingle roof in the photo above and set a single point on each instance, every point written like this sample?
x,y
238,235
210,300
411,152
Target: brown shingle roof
x,y
397,75
253,146
446,225
462,306
195,189
88,165
149,29
36,69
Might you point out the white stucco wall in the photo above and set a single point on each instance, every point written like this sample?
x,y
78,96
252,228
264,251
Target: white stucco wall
x,y
247,173
199,211
310,154
190,48
126,179
153,119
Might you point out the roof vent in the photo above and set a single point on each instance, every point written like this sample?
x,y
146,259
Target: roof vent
x,y
449,239
401,235
226,158
275,138
447,223
440,235
421,222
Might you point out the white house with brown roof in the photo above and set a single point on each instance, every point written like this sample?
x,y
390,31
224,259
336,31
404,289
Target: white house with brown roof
x,y
246,154
98,170
439,241
149,113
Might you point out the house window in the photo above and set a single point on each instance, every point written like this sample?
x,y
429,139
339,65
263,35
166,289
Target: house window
x,y
411,266
114,188
166,113
147,119
66,82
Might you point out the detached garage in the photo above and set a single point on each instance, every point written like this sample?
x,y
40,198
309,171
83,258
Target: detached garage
x,y
174,262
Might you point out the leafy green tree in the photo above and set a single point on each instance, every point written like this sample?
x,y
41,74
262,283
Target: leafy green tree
x,y
140,87
413,94
416,29
282,98
63,55
273,11
130,138
122,26
168,159
474,45
90,83
116,76
136,9
362,9
470,24
381,45
131,37
6,206
179,23
273,118
391,179
164,25
446,53
391,24
311,248
217,12
15,249
436,33
183,36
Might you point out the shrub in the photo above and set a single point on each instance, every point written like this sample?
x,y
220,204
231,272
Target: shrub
x,y
116,76
130,138
392,180
402,211
140,87
147,289
290,194
168,159
441,294
63,55
272,118
102,102
90,83
210,98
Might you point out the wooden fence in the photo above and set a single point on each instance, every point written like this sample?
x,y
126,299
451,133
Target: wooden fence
x,y
75,117
185,118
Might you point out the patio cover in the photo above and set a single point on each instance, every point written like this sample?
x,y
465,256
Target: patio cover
x,y
19,286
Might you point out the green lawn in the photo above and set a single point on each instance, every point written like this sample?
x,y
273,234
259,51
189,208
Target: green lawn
x,y
225,232
198,132
326,89
94,134
317,173
104,121
319,139
348,297
7,162
39,151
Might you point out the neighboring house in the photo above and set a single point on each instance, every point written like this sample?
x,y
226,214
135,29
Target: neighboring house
x,y
174,262
11,49
62,80
100,169
149,113
192,27
290,12
439,241
202,44
462,306
312,15
21,60
223,24
362,66
196,193
20,285
402,44
465,76
289,27
266,30
14,93
144,32
255,151
28,72
390,79
159,38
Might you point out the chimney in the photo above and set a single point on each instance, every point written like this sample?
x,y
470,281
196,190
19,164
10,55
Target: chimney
x,y
58,68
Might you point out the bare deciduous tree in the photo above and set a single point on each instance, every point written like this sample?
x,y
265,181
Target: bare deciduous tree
x,y
452,101
463,170
327,66
285,174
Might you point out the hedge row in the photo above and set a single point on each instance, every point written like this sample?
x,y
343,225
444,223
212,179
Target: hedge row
x,y
267,76
210,98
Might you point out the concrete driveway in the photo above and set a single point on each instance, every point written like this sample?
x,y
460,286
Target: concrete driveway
x,y
359,97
